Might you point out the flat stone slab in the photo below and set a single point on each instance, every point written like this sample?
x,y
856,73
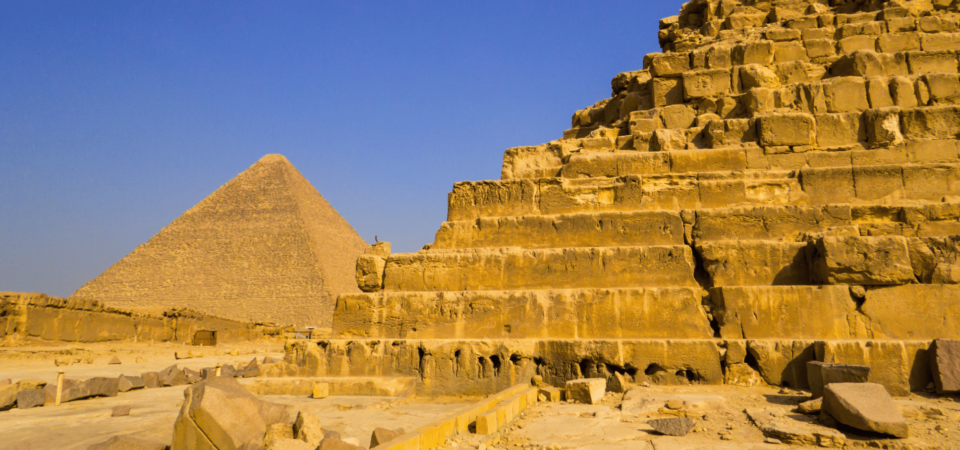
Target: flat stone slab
x,y
676,426
864,406
800,430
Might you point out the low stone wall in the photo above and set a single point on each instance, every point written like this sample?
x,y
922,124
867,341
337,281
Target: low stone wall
x,y
38,316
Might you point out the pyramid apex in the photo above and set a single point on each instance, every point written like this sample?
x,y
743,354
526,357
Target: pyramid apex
x,y
273,157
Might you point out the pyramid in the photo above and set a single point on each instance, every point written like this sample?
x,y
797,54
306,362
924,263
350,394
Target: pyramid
x,y
780,185
264,247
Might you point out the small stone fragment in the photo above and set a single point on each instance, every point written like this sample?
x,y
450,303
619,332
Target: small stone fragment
x,y
114,361
675,404
811,406
307,428
120,411
586,390
674,426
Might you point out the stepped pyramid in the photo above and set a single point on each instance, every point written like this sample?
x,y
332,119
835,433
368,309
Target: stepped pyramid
x,y
780,185
264,247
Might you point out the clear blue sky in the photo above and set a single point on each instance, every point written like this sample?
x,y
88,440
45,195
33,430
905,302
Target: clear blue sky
x,y
116,117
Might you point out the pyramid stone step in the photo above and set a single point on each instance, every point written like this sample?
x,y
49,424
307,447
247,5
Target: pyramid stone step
x,y
543,314
615,164
478,367
755,262
605,229
513,268
833,312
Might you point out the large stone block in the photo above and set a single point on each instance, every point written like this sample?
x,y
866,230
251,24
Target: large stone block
x,y
787,129
936,122
777,312
670,64
863,260
900,366
821,374
840,129
845,94
707,83
945,365
932,62
754,263
913,312
531,162
589,391
370,272
828,185
770,222
220,413
865,406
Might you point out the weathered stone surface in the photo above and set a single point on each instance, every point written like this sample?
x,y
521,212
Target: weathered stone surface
x,y
821,374
759,312
151,380
129,383
370,272
674,426
755,263
881,260
219,413
589,390
127,443
120,411
945,365
787,129
865,406
30,398
93,387
171,376
381,435
307,428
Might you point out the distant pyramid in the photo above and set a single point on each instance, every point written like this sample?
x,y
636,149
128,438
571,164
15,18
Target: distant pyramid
x,y
264,247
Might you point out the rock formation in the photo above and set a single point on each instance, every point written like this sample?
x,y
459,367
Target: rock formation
x,y
265,247
780,185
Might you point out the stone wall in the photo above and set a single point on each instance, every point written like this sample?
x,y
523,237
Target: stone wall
x,y
37,316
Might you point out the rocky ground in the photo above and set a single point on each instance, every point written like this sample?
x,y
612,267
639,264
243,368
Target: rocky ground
x,y
726,417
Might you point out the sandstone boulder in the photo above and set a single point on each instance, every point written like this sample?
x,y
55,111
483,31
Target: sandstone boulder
x,y
586,390
220,413
864,406
127,443
307,428
381,435
945,365
30,398
674,426
130,383
94,387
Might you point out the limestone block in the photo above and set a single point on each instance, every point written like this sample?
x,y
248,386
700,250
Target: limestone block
x,y
776,312
936,122
665,140
921,63
878,91
862,260
756,52
859,29
782,34
789,51
944,88
840,129
782,362
754,263
883,130
820,48
845,94
487,423
719,56
321,390
930,182
854,43
759,101
370,270
865,406
531,162
223,414
913,312
878,182
645,121
787,129
678,116
901,24
940,42
707,83
821,374
589,390
792,72
945,365
667,91
471,200
670,64
828,185
756,75
739,21
868,63
898,42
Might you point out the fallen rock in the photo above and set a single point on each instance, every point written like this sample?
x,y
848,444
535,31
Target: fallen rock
x,y
192,376
820,374
172,376
130,383
120,411
321,390
276,432
114,361
674,426
864,406
945,365
381,435
227,370
794,430
220,413
127,443
30,398
586,390
8,397
810,406
94,387
151,380
307,428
